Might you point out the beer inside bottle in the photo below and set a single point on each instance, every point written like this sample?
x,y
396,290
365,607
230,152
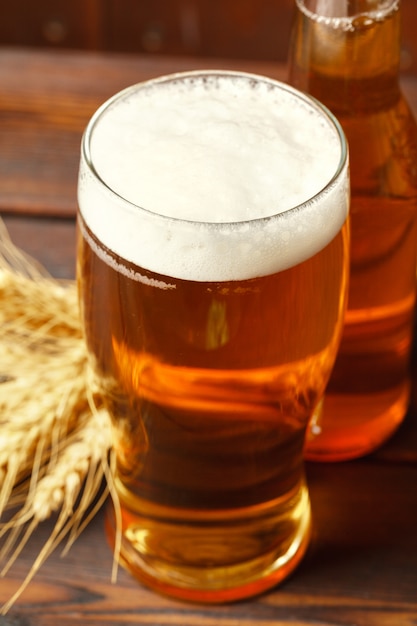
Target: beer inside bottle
x,y
347,55
212,228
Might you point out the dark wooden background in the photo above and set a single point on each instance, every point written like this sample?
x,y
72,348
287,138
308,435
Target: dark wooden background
x,y
245,29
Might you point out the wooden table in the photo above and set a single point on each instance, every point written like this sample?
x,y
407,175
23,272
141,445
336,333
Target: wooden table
x,y
361,568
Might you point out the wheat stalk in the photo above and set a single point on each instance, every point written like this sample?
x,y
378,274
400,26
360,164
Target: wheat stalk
x,y
38,407
55,440
79,469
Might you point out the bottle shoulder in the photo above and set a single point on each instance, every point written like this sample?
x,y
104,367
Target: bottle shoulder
x,y
383,151
384,123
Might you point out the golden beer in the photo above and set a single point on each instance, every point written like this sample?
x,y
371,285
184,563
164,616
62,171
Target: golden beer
x,y
347,56
203,314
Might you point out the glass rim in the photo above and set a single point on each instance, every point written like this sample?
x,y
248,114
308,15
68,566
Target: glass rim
x,y
177,76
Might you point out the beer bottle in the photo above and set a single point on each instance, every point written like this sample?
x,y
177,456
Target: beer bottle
x,y
346,53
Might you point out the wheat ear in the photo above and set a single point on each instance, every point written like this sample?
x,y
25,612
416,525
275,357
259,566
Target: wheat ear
x,y
52,459
79,469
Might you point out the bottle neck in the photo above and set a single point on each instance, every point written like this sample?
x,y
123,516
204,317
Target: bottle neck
x,y
347,8
346,53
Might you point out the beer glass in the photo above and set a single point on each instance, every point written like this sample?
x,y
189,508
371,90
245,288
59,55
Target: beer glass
x,y
212,269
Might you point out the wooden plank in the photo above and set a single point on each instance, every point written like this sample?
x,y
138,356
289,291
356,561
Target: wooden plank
x,y
50,241
360,568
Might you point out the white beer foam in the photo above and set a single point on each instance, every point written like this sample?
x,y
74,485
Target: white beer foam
x,y
201,171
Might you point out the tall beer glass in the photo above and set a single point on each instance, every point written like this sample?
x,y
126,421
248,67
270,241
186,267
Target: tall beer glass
x,y
212,266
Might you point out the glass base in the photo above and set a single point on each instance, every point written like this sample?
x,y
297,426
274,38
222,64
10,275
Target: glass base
x,y
148,549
